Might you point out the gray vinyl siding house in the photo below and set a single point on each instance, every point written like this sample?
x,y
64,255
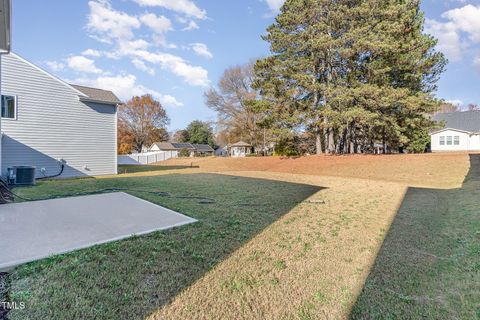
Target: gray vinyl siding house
x,y
56,121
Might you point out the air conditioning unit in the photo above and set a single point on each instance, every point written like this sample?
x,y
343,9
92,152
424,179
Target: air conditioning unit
x,y
21,175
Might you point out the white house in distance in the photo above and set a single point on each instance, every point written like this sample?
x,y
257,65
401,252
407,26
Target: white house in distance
x,y
192,148
460,133
239,149
47,122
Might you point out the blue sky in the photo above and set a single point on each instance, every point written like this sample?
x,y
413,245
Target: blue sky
x,y
176,49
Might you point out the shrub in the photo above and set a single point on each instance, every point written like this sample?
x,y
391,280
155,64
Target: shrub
x,y
184,153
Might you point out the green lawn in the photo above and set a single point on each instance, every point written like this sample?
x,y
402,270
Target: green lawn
x,y
429,264
130,279
310,263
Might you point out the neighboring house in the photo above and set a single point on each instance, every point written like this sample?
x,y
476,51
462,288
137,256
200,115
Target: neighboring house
x,y
193,149
240,149
203,150
163,146
221,151
46,122
461,132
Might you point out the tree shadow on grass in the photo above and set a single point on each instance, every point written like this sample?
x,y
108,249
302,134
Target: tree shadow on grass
x,y
429,264
132,278
125,169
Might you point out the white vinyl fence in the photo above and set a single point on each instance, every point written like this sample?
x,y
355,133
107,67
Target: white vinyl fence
x,y
147,157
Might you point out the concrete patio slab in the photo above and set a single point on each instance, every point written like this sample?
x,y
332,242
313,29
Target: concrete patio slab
x,y
34,230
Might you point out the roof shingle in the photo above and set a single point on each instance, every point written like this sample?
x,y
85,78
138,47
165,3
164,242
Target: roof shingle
x,y
466,120
97,95
180,146
241,144
166,146
203,148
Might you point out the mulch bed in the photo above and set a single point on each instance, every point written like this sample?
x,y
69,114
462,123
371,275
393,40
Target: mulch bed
x,y
5,195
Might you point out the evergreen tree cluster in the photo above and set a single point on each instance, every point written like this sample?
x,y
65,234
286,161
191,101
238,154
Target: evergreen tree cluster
x,y
353,73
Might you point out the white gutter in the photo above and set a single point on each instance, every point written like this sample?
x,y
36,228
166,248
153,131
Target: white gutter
x,y
109,103
453,129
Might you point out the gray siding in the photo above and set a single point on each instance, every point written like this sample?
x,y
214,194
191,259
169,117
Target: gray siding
x,y
52,123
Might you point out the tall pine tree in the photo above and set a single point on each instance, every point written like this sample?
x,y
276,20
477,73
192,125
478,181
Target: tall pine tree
x,y
354,72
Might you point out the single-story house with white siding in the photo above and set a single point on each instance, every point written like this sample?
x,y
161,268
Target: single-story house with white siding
x,y
46,122
461,132
192,148
240,149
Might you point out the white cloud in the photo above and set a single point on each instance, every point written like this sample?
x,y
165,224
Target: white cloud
x,y
159,24
466,19
139,64
118,29
460,30
456,102
186,7
476,63
170,101
160,40
82,64
128,47
92,53
106,23
192,25
55,66
449,41
201,49
193,75
125,87
274,5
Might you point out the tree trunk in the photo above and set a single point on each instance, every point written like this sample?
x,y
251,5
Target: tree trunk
x,y
384,142
331,141
318,142
345,141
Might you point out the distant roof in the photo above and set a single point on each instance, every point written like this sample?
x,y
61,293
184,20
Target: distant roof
x,y
187,146
164,146
180,146
240,144
465,121
97,95
203,148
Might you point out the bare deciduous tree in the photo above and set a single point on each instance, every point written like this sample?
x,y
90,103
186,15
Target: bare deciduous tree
x,y
473,107
236,120
447,107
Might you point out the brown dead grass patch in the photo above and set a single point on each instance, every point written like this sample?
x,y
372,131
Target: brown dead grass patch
x,y
442,170
313,262
310,264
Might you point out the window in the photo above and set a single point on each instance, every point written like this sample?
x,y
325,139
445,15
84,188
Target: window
x,y
449,140
442,140
9,106
456,140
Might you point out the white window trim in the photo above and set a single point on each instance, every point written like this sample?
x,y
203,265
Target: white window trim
x,y
442,141
16,107
449,141
456,140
